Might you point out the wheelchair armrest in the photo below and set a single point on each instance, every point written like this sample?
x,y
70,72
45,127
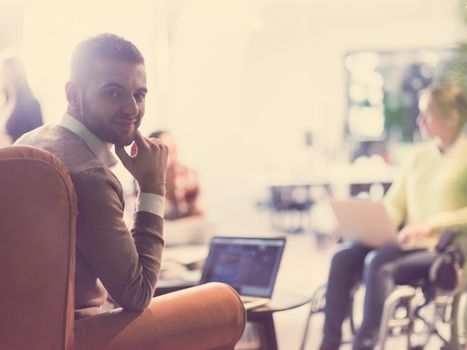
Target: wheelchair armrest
x,y
445,241
446,270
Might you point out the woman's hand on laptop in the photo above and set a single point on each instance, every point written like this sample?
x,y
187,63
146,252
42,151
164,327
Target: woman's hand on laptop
x,y
412,234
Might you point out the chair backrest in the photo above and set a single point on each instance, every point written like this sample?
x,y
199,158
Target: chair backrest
x,y
37,250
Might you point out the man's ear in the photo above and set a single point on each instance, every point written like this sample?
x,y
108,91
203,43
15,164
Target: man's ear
x,y
73,97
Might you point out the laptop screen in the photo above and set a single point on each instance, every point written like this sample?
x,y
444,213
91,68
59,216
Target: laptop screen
x,y
249,265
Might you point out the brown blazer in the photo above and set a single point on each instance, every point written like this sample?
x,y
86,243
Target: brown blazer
x,y
108,256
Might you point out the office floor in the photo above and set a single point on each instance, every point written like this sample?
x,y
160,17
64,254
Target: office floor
x,y
304,268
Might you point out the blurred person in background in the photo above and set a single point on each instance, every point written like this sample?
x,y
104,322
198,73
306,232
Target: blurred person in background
x,y
429,196
184,214
182,197
20,112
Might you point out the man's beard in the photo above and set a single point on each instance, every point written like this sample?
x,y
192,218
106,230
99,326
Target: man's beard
x,y
105,134
120,141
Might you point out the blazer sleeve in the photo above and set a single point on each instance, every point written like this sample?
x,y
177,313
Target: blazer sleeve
x,y
127,263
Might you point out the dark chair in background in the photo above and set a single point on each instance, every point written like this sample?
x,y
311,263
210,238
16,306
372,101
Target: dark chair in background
x,y
290,207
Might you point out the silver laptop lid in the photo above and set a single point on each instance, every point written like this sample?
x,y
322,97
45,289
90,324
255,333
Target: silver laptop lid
x,y
248,264
364,220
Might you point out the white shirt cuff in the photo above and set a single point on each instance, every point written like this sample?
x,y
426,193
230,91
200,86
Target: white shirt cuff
x,y
151,203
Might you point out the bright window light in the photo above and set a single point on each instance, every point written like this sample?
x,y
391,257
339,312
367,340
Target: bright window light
x,y
52,29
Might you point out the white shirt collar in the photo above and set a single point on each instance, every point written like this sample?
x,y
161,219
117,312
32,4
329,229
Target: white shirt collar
x,y
96,145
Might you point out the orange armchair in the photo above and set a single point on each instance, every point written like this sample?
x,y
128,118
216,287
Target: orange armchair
x,y
37,259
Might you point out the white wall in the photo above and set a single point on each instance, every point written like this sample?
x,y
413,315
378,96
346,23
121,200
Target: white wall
x,y
249,77
52,28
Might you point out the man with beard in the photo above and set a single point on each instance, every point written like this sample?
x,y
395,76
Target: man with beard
x,y
106,100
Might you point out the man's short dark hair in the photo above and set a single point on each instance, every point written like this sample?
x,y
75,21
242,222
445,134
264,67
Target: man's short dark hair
x,y
102,47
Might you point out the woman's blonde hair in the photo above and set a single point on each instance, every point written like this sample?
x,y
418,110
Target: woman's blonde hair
x,y
450,98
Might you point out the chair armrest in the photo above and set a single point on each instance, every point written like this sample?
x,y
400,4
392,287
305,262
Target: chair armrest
x,y
446,240
209,316
446,270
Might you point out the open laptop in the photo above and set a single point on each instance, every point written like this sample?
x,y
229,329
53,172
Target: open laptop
x,y
365,221
248,264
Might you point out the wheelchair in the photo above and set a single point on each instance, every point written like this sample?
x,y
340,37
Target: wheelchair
x,y
416,310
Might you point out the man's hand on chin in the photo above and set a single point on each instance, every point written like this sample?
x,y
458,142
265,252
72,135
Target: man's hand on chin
x,y
147,163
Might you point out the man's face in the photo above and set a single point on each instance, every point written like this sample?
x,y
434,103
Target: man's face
x,y
112,101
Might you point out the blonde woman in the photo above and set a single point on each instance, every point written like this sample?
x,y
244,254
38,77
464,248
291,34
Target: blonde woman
x,y
429,196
